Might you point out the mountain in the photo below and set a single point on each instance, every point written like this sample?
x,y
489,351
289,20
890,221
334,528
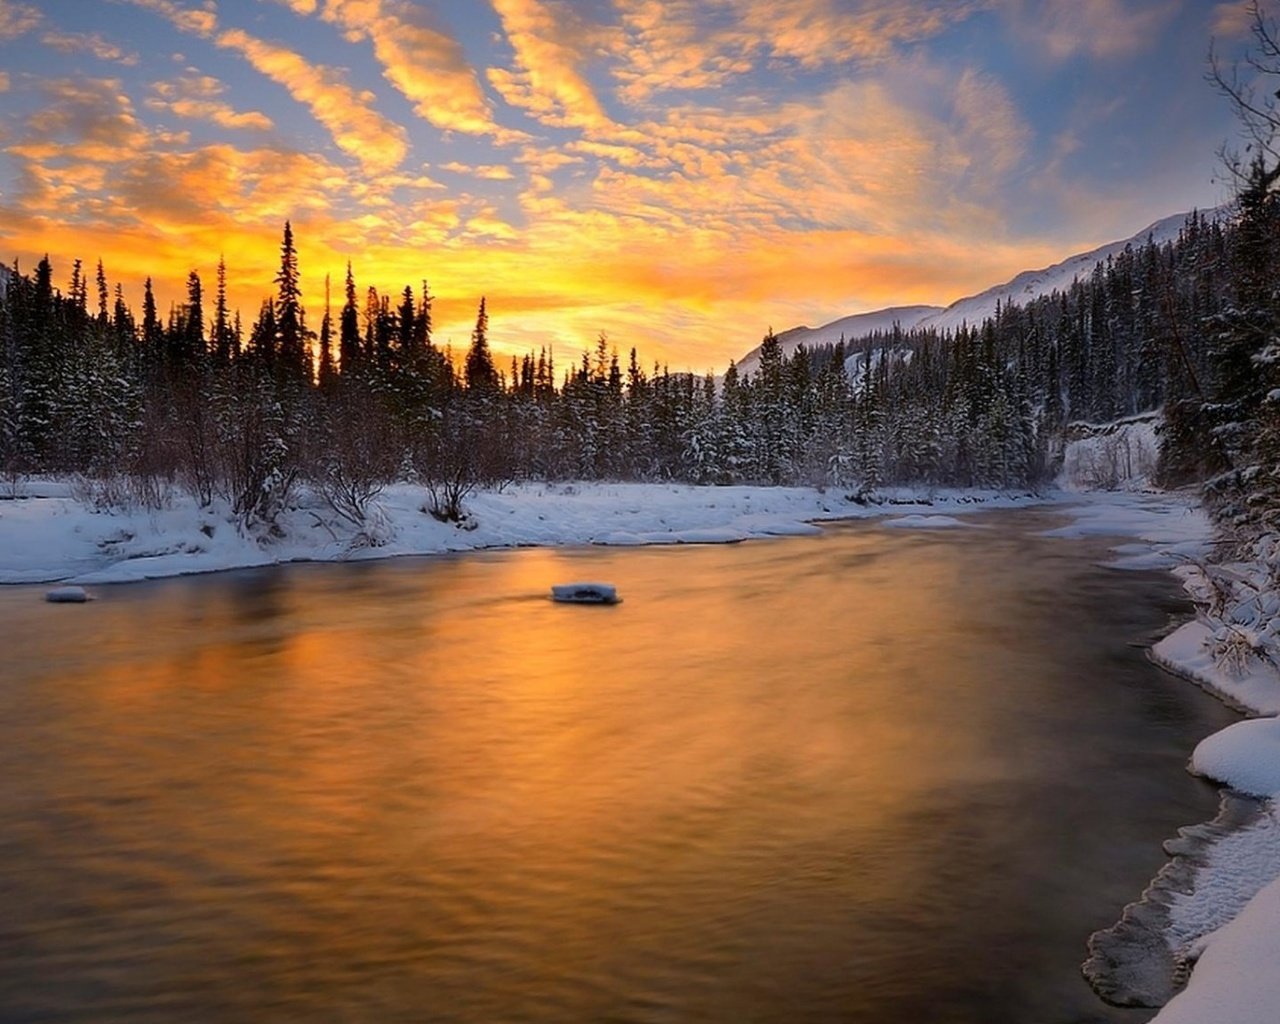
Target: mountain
x,y
1031,284
1028,285
857,326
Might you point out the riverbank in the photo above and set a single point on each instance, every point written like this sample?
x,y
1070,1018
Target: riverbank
x,y
1225,918
1211,918
50,534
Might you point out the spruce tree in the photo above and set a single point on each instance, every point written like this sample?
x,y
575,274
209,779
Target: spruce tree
x,y
479,372
349,349
291,351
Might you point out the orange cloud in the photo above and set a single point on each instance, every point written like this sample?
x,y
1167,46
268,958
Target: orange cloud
x,y
424,63
489,172
185,19
684,227
357,129
196,97
88,118
668,44
547,81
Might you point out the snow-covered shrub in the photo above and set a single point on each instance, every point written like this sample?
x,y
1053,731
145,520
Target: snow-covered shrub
x,y
1241,605
377,529
112,491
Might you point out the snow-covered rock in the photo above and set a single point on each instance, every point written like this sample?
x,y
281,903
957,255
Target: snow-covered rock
x,y
67,595
1244,756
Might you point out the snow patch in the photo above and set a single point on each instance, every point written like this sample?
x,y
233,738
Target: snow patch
x,y
919,522
1244,756
1235,980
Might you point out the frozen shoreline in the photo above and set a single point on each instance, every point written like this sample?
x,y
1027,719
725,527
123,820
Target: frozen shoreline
x,y
49,536
1210,920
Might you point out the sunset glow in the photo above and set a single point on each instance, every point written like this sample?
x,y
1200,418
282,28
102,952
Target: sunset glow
x,y
681,175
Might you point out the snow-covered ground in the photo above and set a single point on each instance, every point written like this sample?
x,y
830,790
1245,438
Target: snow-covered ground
x,y
50,535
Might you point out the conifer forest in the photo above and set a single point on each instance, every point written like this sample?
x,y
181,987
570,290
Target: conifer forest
x,y
136,404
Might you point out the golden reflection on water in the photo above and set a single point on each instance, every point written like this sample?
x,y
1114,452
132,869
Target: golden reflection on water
x,y
422,790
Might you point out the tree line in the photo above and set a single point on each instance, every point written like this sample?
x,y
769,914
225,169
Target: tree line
x,y
248,415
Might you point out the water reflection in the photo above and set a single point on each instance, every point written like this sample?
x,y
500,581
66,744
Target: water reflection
x,y
871,776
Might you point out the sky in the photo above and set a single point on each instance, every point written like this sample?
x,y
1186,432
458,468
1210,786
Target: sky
x,y
680,174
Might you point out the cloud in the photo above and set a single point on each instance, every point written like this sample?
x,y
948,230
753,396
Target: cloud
x,y
816,33
348,114
670,45
198,22
490,172
88,118
424,63
701,44
357,129
4,81
1106,29
88,42
197,97
1231,20
17,19
547,82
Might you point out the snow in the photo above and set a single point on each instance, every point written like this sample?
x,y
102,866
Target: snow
x,y
1244,756
1236,868
56,537
1186,652
1169,528
1115,456
1235,980
67,595
1032,284
860,325
922,522
1230,917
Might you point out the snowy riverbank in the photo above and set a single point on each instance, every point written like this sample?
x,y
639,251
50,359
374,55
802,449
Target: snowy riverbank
x,y
49,535
1227,920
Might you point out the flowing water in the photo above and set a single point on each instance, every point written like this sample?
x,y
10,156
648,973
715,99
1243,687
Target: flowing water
x,y
871,776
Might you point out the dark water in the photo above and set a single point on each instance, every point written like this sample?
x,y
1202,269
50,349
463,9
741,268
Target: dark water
x,y
867,777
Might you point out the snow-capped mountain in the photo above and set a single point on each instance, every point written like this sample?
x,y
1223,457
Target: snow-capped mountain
x,y
1028,285
1031,284
857,326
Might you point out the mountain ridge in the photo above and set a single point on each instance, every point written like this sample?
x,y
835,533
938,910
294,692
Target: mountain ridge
x,y
973,309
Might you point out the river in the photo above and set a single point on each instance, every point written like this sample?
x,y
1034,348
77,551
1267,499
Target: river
x,y
871,776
